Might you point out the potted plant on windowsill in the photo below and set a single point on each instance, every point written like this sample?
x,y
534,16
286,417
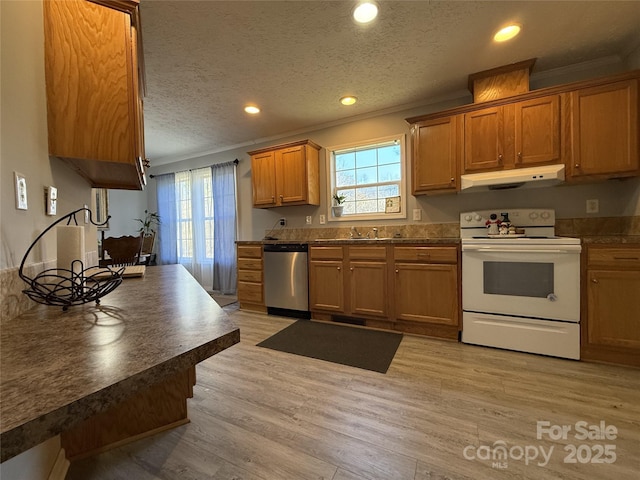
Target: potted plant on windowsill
x,y
337,207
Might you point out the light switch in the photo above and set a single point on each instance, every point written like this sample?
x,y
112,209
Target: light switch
x,y
417,214
51,200
323,219
309,220
20,183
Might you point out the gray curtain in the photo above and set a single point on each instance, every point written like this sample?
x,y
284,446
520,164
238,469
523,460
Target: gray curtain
x,y
223,177
167,233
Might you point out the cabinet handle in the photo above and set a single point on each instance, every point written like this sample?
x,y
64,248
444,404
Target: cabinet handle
x,y
625,258
351,269
519,157
594,280
397,271
500,158
339,268
577,165
452,180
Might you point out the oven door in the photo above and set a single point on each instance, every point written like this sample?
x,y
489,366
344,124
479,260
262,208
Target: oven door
x,y
535,281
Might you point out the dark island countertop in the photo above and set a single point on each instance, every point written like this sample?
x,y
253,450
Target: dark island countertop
x,y
59,368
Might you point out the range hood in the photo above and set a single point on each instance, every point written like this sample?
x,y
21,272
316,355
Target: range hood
x,y
516,178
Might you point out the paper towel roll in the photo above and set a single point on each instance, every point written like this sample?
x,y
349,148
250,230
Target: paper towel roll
x,y
70,247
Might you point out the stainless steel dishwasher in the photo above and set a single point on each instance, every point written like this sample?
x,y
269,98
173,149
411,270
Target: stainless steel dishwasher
x,y
286,279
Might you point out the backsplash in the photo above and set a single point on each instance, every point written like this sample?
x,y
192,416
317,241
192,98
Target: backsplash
x,y
12,301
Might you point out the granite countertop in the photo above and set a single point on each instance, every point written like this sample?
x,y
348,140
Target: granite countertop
x,y
360,241
59,368
612,239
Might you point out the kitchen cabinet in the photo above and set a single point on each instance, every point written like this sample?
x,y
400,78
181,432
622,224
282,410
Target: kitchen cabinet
x,y
326,279
426,290
350,280
437,153
604,126
611,304
286,175
250,278
94,101
519,134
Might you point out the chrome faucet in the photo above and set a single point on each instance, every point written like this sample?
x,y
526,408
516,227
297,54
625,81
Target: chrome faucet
x,y
354,229
375,232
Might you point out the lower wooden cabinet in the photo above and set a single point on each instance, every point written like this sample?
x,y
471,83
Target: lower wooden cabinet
x,y
250,278
611,304
426,290
349,281
407,288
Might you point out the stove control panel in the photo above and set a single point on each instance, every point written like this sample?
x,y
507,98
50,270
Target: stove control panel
x,y
523,217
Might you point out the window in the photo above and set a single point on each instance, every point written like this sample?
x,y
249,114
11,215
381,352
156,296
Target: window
x,y
194,199
366,174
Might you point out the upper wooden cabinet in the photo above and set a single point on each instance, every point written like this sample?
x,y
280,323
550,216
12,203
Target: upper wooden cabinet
x,y
437,152
521,134
286,175
604,121
591,127
94,102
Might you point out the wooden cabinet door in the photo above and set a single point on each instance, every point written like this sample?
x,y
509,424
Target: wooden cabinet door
x,y
437,152
291,175
484,140
326,286
604,122
426,293
537,131
263,173
94,111
368,288
614,309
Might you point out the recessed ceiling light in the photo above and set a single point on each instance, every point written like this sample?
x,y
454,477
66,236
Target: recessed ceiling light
x,y
252,109
348,100
365,12
507,33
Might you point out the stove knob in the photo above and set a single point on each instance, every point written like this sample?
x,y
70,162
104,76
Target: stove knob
x,y
552,297
533,215
544,215
467,218
478,217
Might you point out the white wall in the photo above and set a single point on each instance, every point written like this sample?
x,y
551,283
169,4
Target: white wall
x,y
124,207
24,140
617,198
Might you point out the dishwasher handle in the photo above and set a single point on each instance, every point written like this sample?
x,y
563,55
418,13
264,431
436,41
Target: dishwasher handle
x,y
286,247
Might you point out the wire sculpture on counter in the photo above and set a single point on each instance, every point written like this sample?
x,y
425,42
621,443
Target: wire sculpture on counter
x,y
75,286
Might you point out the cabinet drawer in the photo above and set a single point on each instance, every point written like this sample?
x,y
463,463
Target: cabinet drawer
x,y
426,254
367,253
249,264
622,257
250,292
250,251
250,276
326,253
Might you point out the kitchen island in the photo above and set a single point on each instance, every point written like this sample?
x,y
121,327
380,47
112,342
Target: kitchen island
x,y
96,367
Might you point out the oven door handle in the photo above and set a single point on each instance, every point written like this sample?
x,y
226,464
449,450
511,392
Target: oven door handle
x,y
471,248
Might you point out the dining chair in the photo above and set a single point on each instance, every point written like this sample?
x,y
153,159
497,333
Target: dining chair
x,y
123,250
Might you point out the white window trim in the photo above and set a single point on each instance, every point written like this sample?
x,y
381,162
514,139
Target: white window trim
x,y
330,167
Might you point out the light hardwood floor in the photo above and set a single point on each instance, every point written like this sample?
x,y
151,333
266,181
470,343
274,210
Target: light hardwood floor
x,y
258,414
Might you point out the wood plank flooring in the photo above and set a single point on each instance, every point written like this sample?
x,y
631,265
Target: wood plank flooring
x,y
258,414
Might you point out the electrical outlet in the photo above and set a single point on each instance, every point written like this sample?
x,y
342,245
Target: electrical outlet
x,y
51,200
417,214
593,206
323,219
283,222
309,220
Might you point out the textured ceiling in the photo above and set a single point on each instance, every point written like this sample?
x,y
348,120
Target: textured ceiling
x,y
206,59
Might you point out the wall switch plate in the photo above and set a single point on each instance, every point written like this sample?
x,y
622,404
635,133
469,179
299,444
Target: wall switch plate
x,y
323,219
283,222
51,200
309,220
417,214
593,206
86,214
20,183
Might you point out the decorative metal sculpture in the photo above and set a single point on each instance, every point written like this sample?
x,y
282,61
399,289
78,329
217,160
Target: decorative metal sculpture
x,y
67,287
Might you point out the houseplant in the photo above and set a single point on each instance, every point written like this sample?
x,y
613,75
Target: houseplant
x,y
337,207
147,228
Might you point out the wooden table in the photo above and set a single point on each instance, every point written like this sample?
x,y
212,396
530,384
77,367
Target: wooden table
x,y
102,375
